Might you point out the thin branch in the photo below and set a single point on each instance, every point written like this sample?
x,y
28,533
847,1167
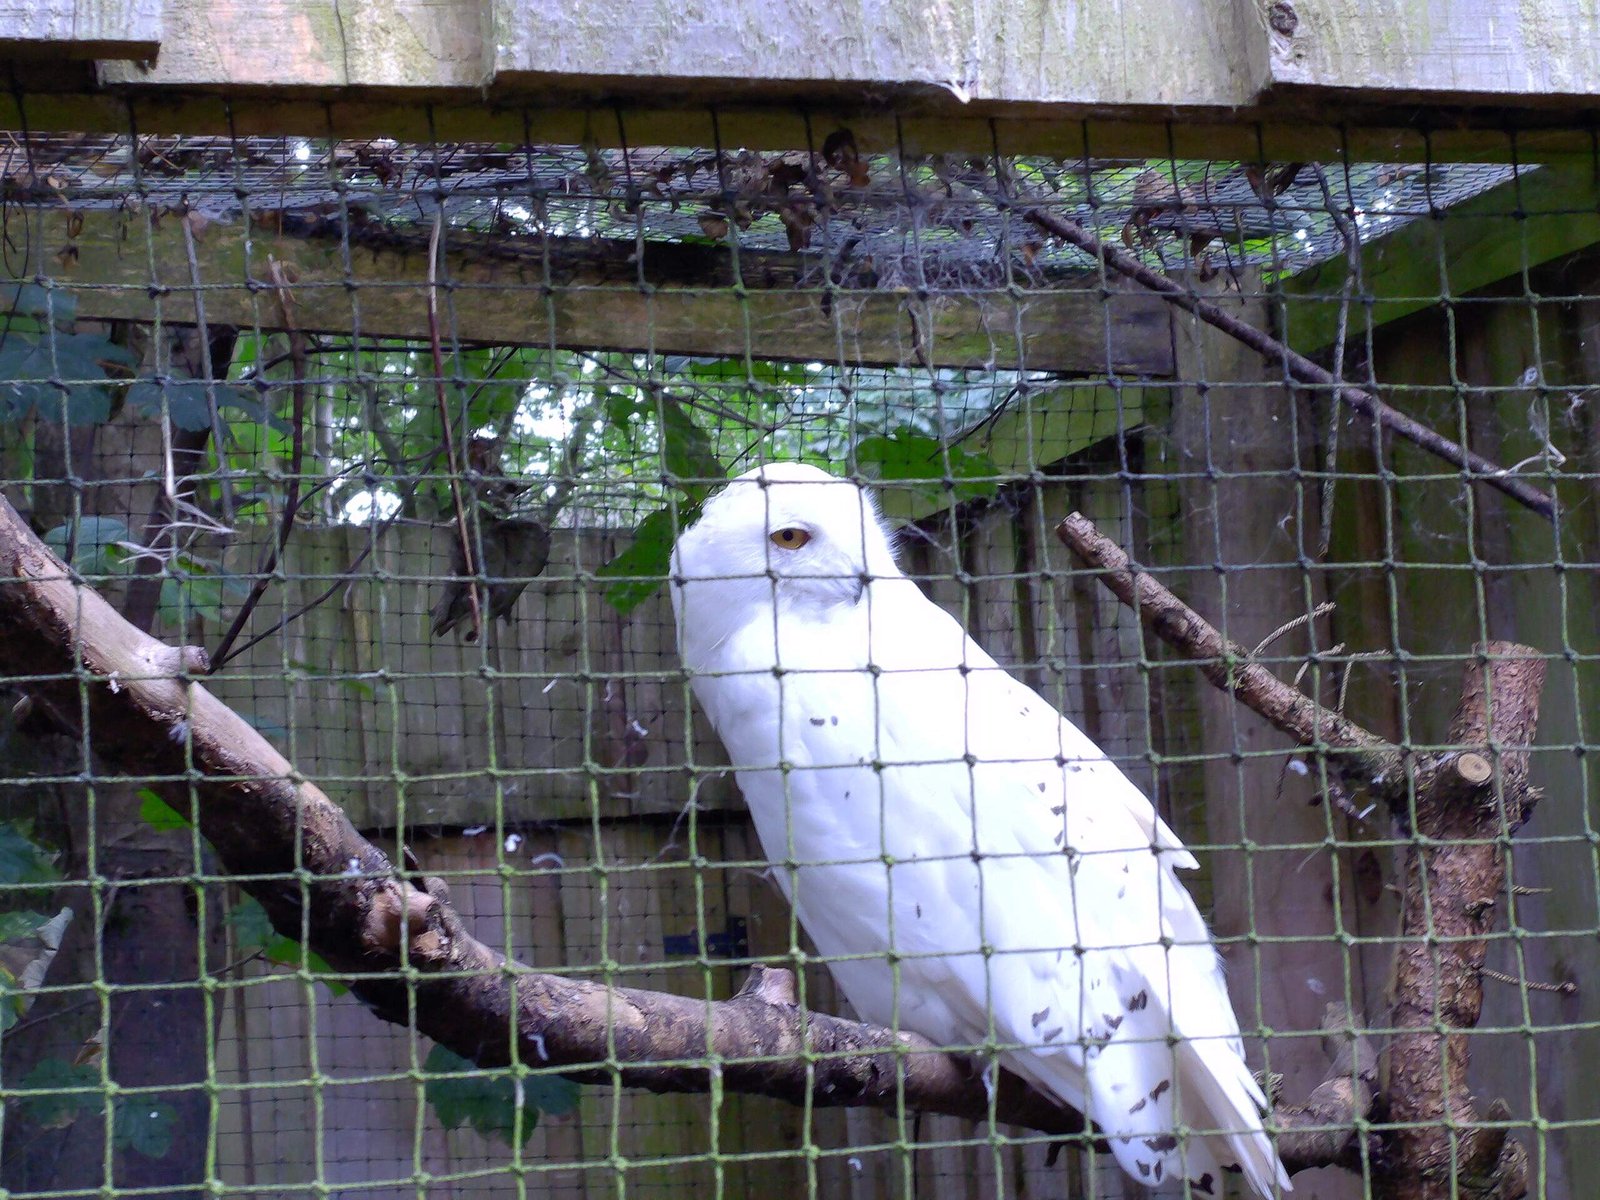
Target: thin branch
x,y
468,559
1295,365
570,466
207,372
291,502
1223,663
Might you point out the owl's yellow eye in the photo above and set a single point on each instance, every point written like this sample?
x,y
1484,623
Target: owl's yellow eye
x,y
790,539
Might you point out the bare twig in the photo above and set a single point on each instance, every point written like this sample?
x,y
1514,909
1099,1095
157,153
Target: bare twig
x,y
1296,366
1224,664
218,441
1351,237
468,559
291,500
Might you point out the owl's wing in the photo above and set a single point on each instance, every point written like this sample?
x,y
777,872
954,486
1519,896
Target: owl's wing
x,y
1104,969
1003,720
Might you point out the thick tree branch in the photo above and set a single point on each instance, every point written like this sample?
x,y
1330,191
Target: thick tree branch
x,y
1463,806
1455,876
1296,366
324,884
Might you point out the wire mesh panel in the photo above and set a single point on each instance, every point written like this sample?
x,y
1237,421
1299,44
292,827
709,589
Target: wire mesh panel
x,y
384,816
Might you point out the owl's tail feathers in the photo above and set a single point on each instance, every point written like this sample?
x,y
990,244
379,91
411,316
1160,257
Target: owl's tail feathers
x,y
1221,1094
1142,1092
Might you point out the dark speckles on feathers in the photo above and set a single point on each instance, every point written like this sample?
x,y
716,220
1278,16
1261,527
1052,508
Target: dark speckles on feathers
x,y
1138,1001
1139,1105
1060,837
1051,1035
819,720
833,720
1164,1144
1055,810
1203,1184
1113,1022
1042,786
1159,1172
1233,1168
1144,1170
919,911
1038,1017
1155,1092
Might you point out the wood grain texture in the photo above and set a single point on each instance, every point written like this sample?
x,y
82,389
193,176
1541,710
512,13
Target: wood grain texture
x,y
680,300
1480,48
82,29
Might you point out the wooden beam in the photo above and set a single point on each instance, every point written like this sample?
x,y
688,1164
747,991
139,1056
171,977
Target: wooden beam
x,y
1463,50
1091,52
81,29
1539,216
989,52
883,120
676,299
282,45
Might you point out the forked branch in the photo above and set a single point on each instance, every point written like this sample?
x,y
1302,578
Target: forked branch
x,y
1463,806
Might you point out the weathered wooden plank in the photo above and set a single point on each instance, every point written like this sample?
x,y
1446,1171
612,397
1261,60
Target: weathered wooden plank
x,y
923,124
82,29
1541,215
1235,445
135,267
285,44
986,52
1471,566
979,50
1466,51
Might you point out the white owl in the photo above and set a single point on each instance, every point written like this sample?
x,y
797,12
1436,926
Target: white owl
x,y
972,866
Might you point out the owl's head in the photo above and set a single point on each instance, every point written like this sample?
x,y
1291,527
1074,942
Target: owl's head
x,y
781,535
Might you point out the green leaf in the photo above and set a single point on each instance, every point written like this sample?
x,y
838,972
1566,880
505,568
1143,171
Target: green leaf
x,y
62,1107
642,568
34,300
158,814
252,928
61,374
908,457
96,551
144,1125
287,952
686,453
461,1093
188,401
20,924
495,383
22,860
